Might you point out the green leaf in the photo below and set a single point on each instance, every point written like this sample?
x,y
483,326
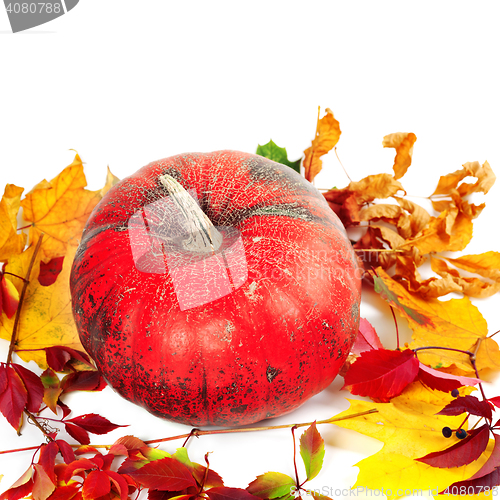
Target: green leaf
x,y
275,153
271,485
312,451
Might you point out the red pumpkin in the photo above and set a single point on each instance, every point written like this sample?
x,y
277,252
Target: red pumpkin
x,y
247,328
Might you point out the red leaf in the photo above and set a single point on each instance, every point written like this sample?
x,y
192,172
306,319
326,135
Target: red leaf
x,y
66,451
43,486
441,381
50,271
74,468
120,484
77,433
212,479
224,493
14,398
84,449
462,453
164,474
9,297
17,492
3,378
47,460
367,338
64,407
468,404
381,374
495,401
130,443
33,385
65,492
96,484
58,356
83,381
95,423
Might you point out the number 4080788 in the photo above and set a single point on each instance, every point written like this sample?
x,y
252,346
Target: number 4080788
x,y
34,8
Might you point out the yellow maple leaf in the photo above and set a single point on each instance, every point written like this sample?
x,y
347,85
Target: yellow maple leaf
x,y
403,143
455,324
409,428
46,317
59,209
327,135
11,243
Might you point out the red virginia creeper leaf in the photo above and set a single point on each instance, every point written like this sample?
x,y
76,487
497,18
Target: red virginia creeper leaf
x,y
66,451
441,381
3,378
83,381
50,271
212,480
224,493
367,338
43,486
77,433
462,453
381,374
129,442
65,492
271,485
94,423
14,398
495,401
164,474
74,468
17,492
47,460
119,483
85,449
96,484
58,357
33,385
312,451
468,404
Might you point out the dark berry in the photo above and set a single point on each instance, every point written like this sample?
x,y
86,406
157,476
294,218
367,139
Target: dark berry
x,y
447,432
455,393
461,434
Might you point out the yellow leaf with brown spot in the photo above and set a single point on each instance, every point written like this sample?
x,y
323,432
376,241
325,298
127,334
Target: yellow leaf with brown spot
x,y
455,324
59,209
11,242
403,143
484,174
46,317
409,428
473,287
327,135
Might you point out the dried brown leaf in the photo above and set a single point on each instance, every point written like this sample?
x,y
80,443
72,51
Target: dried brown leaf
x,y
403,143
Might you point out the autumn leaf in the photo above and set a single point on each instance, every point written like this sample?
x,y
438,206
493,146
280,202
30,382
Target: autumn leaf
x,y
273,152
381,374
409,428
224,493
442,381
326,137
11,243
46,318
403,143
312,451
13,395
469,404
472,287
94,423
271,485
455,324
485,264
367,338
9,296
60,208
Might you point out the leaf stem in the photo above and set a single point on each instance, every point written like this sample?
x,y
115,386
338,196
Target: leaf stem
x,y
397,329
13,338
297,484
37,423
343,168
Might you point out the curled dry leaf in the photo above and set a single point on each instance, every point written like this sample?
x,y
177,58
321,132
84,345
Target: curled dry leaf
x,y
326,137
403,143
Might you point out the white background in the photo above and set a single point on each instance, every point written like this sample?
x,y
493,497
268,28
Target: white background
x,y
125,83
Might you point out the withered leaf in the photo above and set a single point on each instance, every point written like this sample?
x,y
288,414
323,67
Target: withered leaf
x,y
403,143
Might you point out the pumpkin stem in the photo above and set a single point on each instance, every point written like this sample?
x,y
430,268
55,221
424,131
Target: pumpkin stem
x,y
202,236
